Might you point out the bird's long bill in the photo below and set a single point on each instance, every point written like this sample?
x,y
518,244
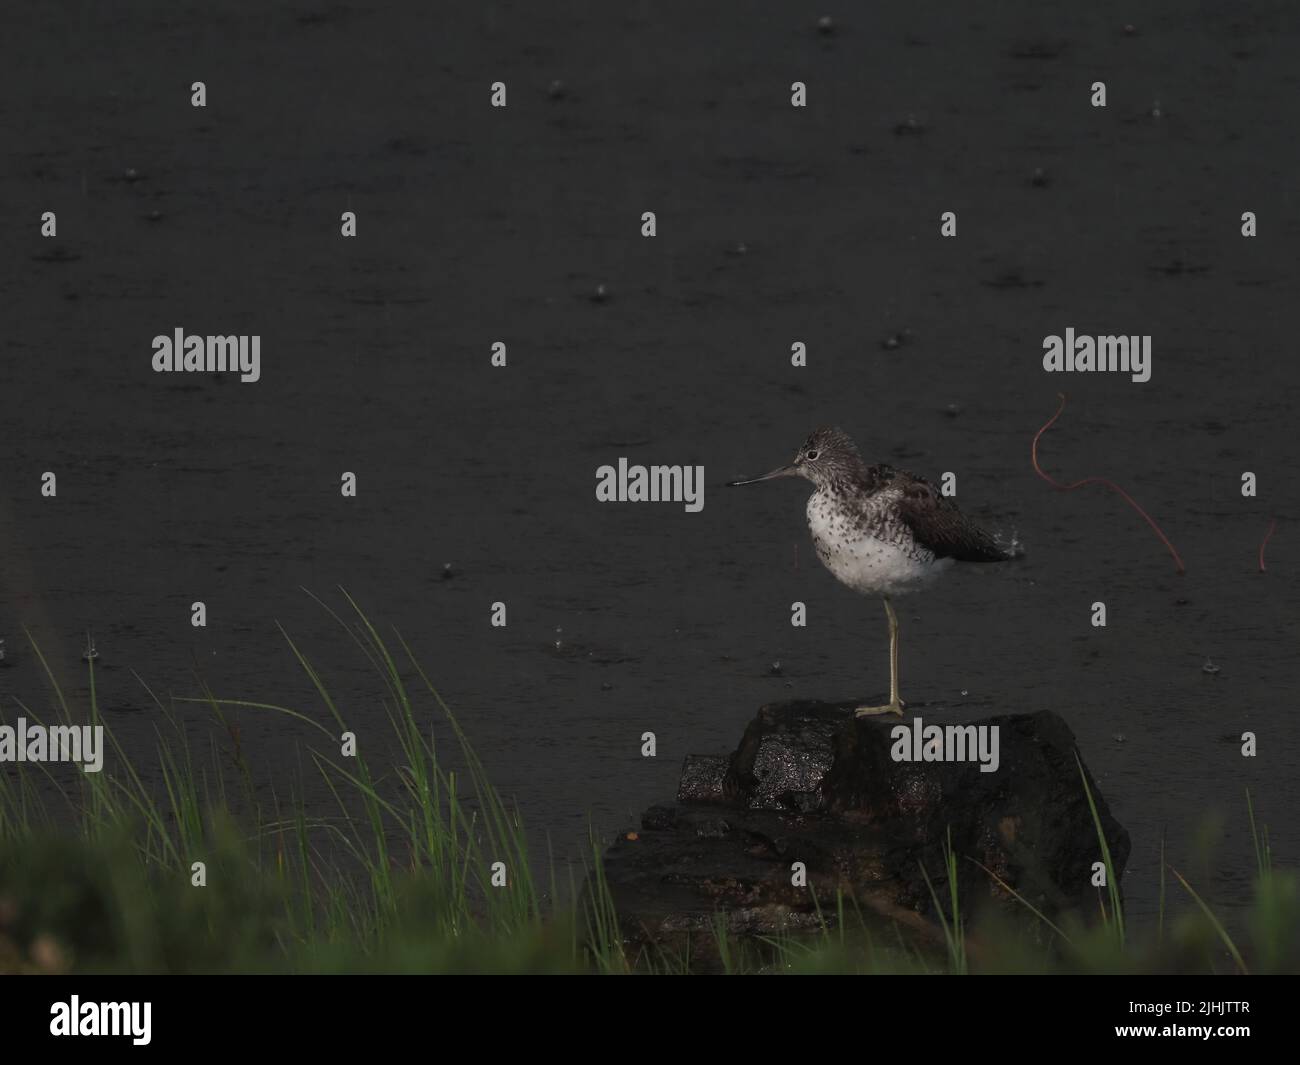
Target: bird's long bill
x,y
784,471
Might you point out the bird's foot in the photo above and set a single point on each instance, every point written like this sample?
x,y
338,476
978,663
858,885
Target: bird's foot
x,y
896,707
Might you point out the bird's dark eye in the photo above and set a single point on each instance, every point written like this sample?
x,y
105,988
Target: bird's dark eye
x,y
812,455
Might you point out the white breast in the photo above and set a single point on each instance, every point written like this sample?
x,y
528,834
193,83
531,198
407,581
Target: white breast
x,y
863,561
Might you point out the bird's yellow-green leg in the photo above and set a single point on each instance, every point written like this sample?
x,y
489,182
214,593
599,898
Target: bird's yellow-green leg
x,y
895,704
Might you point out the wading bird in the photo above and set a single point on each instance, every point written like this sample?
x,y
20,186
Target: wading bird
x,y
881,531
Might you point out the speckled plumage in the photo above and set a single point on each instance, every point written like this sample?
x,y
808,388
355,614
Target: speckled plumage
x,y
865,549
884,531
880,530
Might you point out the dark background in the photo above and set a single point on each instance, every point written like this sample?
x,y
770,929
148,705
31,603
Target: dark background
x,y
478,225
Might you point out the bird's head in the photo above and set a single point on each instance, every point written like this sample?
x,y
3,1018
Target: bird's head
x,y
826,457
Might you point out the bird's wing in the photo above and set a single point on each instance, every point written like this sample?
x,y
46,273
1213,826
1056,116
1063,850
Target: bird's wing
x,y
939,526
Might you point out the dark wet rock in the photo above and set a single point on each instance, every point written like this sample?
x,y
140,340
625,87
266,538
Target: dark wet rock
x,y
783,756
812,783
702,776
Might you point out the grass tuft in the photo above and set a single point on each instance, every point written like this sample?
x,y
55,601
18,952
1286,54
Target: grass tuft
x,y
421,865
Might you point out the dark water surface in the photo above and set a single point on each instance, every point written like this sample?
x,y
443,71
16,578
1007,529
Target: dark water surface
x,y
479,225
